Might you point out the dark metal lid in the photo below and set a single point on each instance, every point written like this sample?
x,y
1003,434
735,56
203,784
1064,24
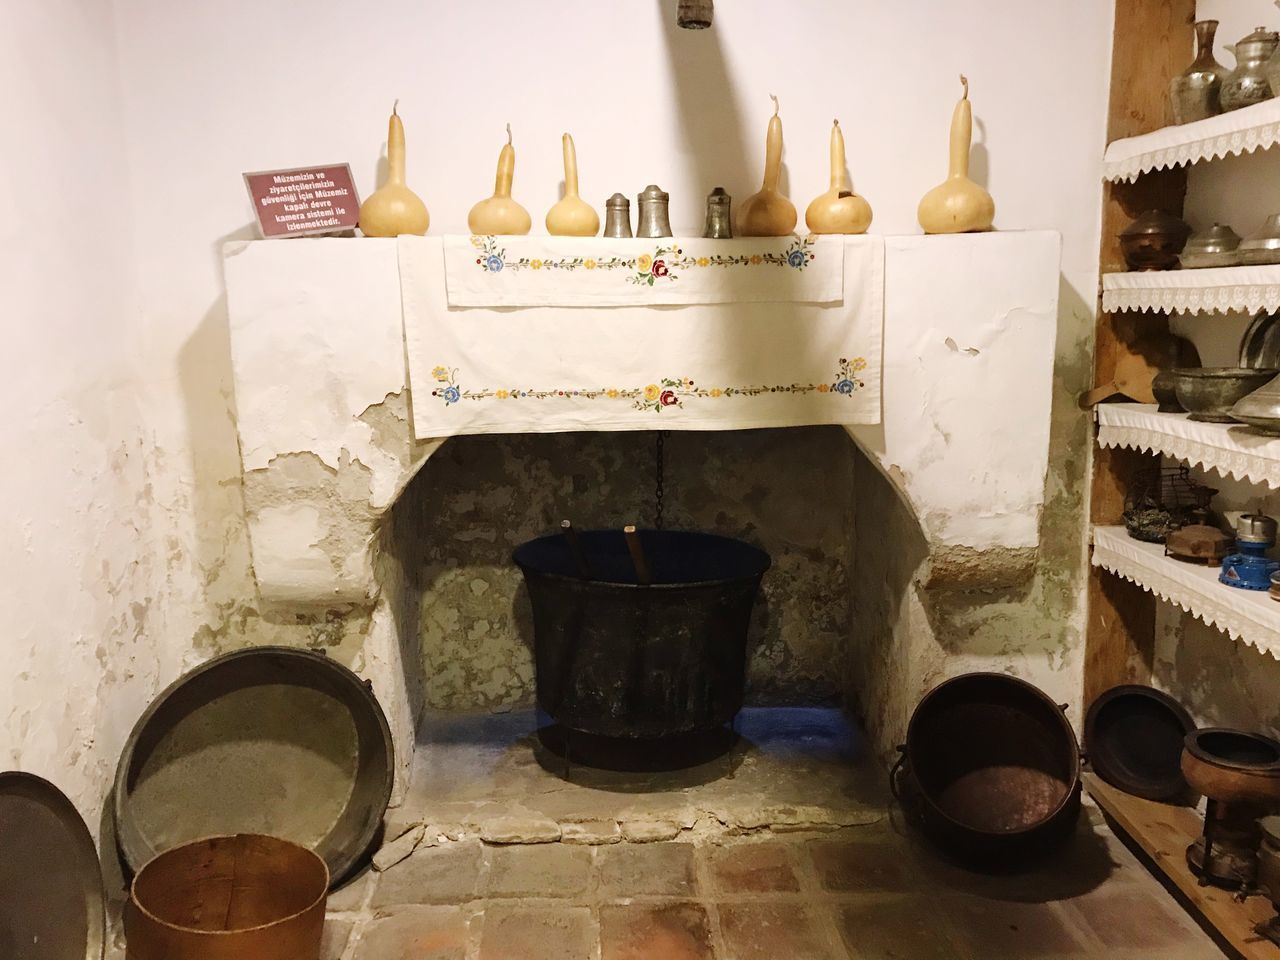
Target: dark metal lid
x,y
51,899
1133,736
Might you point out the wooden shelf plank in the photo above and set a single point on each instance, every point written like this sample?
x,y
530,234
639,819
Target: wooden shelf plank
x,y
1164,832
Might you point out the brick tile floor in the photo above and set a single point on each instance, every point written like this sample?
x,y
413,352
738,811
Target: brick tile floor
x,y
537,933
640,931
864,893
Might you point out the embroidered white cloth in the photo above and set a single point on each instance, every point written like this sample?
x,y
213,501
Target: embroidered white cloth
x,y
1248,615
1208,290
1247,129
602,272
695,367
1232,449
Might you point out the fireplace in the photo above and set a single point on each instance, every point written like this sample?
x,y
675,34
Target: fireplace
x,y
324,417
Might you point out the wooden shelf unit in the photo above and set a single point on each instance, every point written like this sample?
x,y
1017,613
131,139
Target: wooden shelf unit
x,y
1163,832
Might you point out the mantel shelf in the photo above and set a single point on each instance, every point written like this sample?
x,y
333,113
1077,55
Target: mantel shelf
x,y
1231,449
1240,131
1212,290
1247,615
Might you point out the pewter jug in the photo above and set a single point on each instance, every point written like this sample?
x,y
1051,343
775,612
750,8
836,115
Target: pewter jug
x,y
1196,93
1247,84
617,219
653,219
719,225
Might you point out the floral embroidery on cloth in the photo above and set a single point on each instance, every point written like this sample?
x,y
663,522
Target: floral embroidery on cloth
x,y
653,397
645,268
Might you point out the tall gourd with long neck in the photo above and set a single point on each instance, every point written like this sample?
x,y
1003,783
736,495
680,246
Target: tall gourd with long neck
x,y
839,210
572,216
768,213
958,205
393,208
500,214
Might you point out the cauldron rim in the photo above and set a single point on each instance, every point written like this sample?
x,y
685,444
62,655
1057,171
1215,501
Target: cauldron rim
x,y
762,555
1070,788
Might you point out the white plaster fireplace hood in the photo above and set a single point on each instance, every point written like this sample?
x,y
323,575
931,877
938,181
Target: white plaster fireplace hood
x,y
322,401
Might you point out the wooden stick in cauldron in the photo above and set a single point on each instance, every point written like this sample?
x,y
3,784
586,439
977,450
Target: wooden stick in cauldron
x,y
575,548
638,559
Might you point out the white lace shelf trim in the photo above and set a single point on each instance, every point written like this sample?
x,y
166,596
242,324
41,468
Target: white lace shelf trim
x,y
1249,616
1246,297
1228,463
1241,131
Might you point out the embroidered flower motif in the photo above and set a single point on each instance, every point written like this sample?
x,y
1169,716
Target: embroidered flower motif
x,y
644,262
651,392
451,395
493,263
589,264
716,392
477,242
668,398
502,394
756,259
823,388
660,268
844,386
611,393
796,258
440,373
536,264
859,363
704,261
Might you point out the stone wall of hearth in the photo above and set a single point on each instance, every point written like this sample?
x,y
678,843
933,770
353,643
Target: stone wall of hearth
x,y
788,491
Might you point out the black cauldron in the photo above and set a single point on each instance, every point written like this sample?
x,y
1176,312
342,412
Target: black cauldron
x,y
617,658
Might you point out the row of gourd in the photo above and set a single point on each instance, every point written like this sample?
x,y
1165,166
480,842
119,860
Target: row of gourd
x,y
957,205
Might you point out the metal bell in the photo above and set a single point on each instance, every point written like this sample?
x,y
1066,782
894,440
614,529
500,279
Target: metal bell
x,y
719,224
617,216
653,219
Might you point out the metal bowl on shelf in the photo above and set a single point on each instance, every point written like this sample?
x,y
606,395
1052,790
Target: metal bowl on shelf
x,y
1209,393
1263,247
1261,409
1217,246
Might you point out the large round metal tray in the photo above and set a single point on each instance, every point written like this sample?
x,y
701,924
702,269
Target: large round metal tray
x,y
1260,345
269,740
1133,736
51,900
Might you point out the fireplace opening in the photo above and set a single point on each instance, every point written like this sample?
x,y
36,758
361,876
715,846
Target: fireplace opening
x,y
784,497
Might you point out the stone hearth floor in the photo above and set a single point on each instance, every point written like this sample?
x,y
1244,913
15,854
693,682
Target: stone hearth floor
x,y
489,776
786,849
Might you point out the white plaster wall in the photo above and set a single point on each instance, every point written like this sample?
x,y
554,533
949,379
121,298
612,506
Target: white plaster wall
x,y
81,545
126,557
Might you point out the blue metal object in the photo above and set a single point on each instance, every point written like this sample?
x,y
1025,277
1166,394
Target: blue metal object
x,y
1250,569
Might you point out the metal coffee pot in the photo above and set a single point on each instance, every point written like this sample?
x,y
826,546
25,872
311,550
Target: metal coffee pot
x,y
1247,84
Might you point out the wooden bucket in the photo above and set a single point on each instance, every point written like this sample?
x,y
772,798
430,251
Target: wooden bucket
x,y
246,897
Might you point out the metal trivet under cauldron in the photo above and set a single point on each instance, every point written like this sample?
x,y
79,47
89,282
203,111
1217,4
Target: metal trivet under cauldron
x,y
1239,775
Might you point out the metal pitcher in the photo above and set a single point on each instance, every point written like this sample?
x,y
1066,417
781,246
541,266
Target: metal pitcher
x,y
719,223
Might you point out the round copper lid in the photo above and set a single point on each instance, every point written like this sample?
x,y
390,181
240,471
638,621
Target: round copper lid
x,y
51,899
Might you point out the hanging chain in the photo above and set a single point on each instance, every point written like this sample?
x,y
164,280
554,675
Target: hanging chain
x,y
659,493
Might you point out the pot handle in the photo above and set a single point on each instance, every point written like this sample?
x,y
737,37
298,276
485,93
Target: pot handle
x,y
895,773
